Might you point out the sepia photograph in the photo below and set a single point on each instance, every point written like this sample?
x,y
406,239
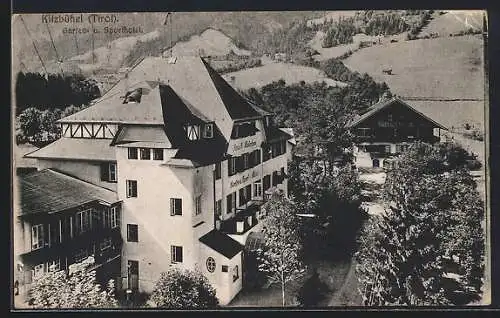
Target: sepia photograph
x,y
258,159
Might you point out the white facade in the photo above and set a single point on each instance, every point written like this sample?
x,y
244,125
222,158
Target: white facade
x,y
169,201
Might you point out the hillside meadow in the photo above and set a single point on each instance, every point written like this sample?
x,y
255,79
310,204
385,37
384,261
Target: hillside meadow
x,y
268,73
448,67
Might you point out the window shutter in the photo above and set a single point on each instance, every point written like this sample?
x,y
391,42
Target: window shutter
x,y
104,171
240,163
179,254
172,207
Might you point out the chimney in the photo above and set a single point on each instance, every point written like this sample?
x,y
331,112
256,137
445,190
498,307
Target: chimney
x,y
125,84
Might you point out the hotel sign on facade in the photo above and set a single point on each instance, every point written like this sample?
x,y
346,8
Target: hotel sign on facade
x,y
237,147
243,178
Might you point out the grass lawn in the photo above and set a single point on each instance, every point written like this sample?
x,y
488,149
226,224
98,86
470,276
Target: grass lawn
x,y
332,274
454,21
290,73
426,68
348,294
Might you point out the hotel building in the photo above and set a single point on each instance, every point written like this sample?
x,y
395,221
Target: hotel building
x,y
174,160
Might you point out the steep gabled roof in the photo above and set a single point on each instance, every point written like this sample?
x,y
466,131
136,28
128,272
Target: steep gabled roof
x,y
382,105
111,109
237,106
200,88
49,191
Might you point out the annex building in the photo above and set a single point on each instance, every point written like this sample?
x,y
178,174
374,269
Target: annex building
x,y
387,128
170,168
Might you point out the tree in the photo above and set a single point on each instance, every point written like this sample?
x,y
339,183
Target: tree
x,y
280,258
78,289
55,91
183,289
428,248
30,125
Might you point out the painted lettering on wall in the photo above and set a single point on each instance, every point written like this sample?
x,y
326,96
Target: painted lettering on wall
x,y
244,144
244,178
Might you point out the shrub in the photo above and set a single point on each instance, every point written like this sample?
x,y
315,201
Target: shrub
x,y
183,289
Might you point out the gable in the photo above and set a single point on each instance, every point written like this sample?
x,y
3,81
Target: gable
x,y
398,109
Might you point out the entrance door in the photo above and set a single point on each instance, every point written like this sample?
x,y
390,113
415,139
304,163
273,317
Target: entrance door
x,y
133,275
376,163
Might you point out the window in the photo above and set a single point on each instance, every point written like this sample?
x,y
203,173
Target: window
x,y
81,255
267,182
112,172
37,271
131,189
114,217
110,218
236,274
105,244
108,171
211,265
197,204
157,154
246,161
145,154
37,237
176,253
275,178
231,202
106,218
132,233
218,207
257,189
231,166
225,268
175,206
132,153
83,221
256,158
193,132
242,130
243,198
218,169
389,117
266,155
364,132
54,266
245,194
208,132
278,148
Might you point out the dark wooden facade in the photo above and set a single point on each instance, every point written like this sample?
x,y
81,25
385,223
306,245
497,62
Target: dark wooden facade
x,y
69,236
395,123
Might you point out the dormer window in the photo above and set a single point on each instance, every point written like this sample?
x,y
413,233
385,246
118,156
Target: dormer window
x,y
208,131
242,130
133,96
193,132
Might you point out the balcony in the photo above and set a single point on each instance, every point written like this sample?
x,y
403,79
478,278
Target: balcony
x,y
68,246
244,220
395,139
